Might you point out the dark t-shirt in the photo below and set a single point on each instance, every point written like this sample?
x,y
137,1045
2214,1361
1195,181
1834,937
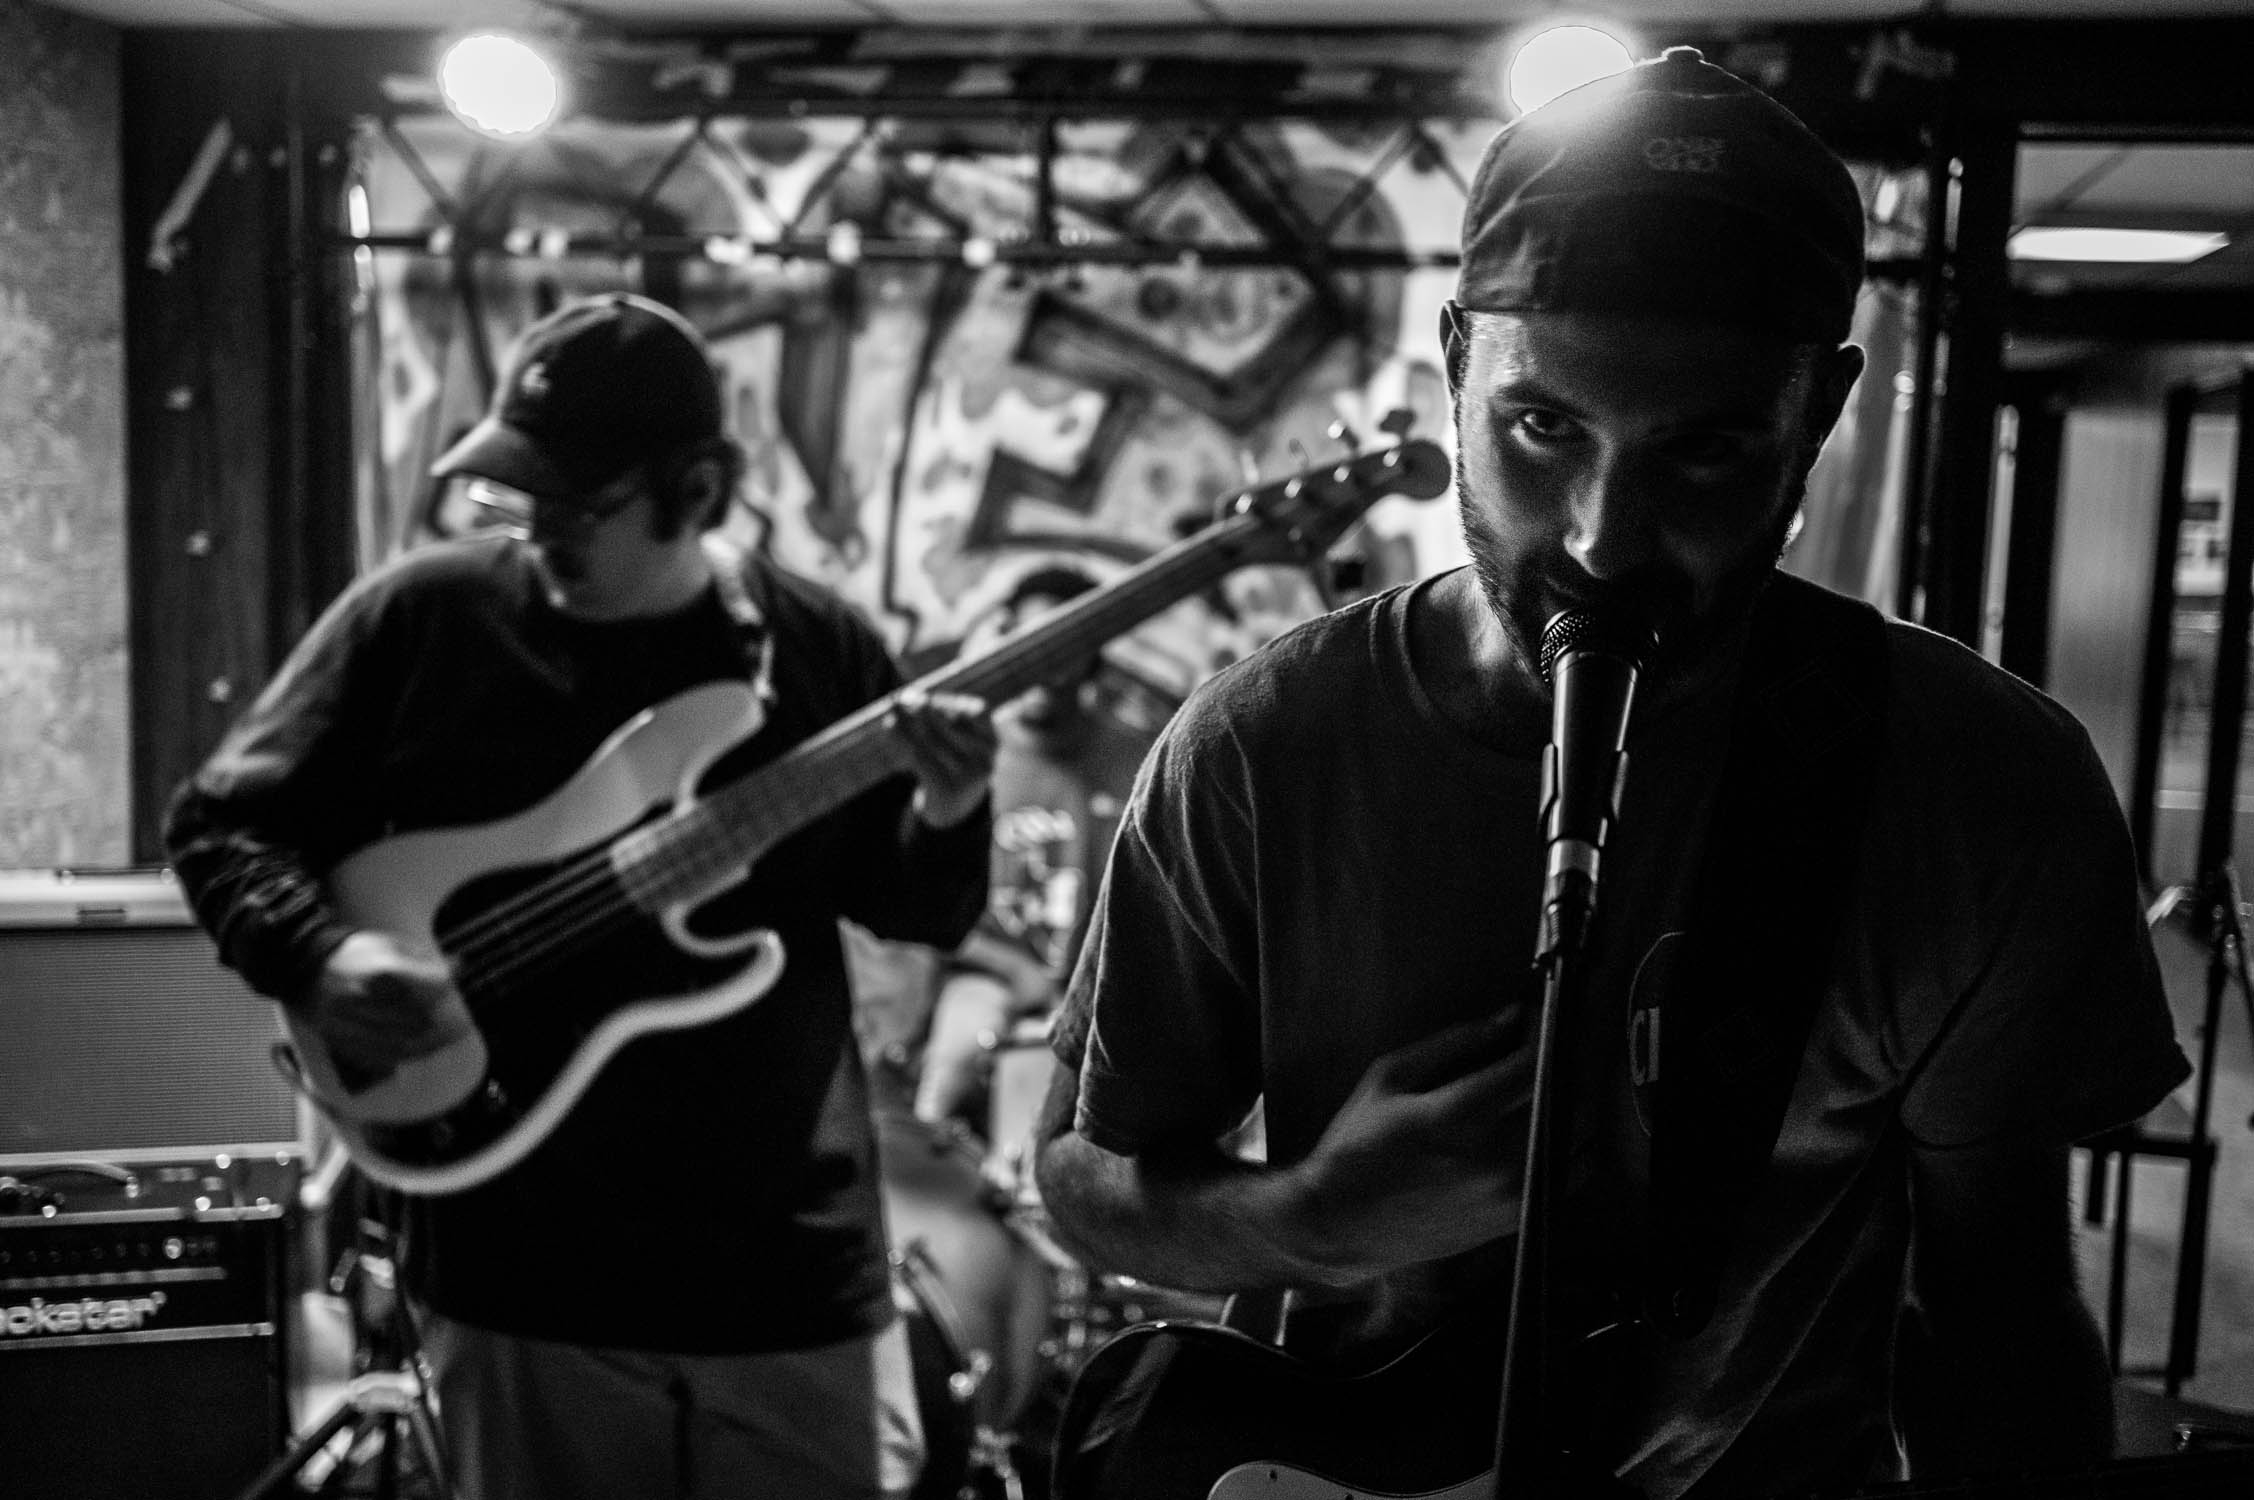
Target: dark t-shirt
x,y
715,1188
1319,867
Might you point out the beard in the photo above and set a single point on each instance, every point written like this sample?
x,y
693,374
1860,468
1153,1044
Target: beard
x,y
1525,592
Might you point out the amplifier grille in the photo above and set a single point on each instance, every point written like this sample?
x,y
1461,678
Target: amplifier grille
x,y
124,1040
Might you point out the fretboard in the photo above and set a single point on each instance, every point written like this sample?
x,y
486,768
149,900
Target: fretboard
x,y
703,847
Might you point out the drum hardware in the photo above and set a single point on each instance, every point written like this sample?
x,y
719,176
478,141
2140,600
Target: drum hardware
x,y
995,1456
975,1294
1001,1314
383,1431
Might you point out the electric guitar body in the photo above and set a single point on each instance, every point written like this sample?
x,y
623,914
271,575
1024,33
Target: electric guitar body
x,y
569,927
1193,1411
559,962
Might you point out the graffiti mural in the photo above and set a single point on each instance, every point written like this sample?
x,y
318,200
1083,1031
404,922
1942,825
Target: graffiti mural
x,y
925,421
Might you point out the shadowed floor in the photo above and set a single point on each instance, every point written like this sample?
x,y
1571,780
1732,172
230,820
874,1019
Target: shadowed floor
x,y
2222,1358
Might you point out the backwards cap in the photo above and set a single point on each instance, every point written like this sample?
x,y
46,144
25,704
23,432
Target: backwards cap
x,y
1672,189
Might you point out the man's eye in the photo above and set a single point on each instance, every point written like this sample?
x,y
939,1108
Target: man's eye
x,y
1544,426
1709,449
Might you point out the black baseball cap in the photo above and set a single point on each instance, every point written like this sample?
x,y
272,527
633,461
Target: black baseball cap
x,y
1673,188
592,389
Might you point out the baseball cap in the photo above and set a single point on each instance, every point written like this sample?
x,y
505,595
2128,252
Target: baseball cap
x,y
1673,188
592,389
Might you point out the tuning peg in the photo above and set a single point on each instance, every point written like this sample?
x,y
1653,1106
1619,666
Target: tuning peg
x,y
1299,458
1248,464
1398,421
1345,436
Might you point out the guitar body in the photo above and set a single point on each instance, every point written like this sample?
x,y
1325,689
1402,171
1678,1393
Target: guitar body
x,y
1192,1411
558,963
1265,1481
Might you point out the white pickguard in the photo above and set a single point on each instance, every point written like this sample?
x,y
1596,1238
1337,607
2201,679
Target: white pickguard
x,y
398,884
1265,1481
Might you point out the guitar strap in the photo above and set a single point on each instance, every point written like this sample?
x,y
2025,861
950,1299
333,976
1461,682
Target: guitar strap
x,y
1765,923
731,570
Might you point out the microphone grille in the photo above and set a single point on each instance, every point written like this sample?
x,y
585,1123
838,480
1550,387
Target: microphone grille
x,y
1611,630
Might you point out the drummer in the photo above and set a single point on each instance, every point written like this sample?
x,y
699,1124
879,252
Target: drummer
x,y
1069,750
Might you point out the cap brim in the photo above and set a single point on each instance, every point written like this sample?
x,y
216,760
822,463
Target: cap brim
x,y
496,451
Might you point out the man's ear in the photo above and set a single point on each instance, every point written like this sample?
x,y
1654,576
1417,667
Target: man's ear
x,y
1830,383
1455,344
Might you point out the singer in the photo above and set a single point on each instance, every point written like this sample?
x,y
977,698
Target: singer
x,y
1866,960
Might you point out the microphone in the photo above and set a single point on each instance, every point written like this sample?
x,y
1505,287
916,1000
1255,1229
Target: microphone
x,y
1591,658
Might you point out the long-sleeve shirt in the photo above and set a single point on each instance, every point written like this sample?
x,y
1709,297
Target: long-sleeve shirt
x,y
716,1188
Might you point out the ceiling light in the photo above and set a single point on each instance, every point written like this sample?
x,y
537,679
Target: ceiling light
x,y
499,85
2168,246
1561,58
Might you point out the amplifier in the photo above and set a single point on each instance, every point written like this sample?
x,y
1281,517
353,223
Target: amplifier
x,y
122,1036
141,1318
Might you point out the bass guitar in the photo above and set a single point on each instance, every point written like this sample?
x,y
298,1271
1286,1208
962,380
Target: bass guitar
x,y
1195,1411
595,890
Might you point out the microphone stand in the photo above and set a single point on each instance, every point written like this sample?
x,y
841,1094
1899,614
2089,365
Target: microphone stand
x,y
1528,1462
1583,770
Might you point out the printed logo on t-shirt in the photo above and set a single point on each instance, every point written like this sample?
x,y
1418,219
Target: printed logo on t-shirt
x,y
1685,153
1645,1035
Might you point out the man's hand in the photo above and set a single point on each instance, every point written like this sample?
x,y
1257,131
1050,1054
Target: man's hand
x,y
1426,1158
377,1003
951,739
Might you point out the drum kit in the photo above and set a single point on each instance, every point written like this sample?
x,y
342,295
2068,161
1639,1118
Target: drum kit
x,y
1000,1315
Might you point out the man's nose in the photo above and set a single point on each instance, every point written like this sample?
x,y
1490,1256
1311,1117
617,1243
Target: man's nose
x,y
1610,532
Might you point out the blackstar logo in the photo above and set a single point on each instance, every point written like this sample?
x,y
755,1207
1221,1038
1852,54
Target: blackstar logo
x,y
40,1318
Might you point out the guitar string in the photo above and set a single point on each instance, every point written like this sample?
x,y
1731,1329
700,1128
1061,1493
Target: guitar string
x,y
580,903
583,900
526,910
501,940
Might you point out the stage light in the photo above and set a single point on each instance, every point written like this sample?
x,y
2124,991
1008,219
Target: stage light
x,y
2119,246
499,86
1560,58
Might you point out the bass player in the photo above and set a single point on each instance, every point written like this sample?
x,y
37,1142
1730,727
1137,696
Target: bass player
x,y
682,1289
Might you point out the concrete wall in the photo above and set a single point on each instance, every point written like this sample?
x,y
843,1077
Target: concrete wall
x,y
64,753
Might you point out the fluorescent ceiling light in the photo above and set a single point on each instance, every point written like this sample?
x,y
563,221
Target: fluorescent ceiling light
x,y
2169,246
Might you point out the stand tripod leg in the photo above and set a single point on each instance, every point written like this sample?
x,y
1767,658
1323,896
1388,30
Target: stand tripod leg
x,y
2226,954
270,1483
424,1432
383,1409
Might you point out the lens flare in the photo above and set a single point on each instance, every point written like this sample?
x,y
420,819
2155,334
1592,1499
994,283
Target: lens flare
x,y
1559,59
498,85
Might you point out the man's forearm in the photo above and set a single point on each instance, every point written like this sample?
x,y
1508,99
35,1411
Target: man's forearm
x,y
1202,1221
2001,1364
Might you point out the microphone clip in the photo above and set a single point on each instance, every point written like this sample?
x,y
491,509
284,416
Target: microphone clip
x,y
1592,658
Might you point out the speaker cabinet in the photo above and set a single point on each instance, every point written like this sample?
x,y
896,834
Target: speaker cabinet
x,y
140,1329
121,1034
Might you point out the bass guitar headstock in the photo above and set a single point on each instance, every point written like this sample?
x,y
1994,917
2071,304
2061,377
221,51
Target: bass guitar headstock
x,y
1306,512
